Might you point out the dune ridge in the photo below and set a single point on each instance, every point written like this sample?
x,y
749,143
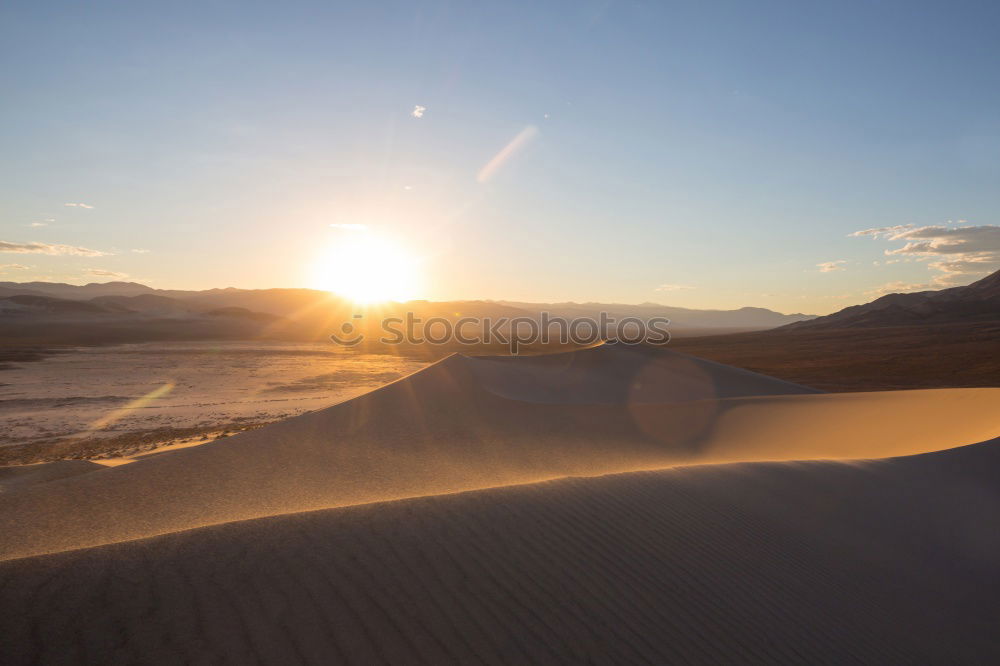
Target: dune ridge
x,y
612,373
887,561
445,429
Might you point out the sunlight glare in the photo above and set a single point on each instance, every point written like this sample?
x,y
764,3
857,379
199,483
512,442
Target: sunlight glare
x,y
367,268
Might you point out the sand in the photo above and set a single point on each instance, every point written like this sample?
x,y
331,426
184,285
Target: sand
x,y
432,521
20,476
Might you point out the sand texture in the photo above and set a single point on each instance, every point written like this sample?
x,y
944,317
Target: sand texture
x,y
431,521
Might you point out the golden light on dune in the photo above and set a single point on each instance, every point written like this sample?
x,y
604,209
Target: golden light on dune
x,y
368,268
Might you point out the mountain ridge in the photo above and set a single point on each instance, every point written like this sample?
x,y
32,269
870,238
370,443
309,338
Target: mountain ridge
x,y
283,302
976,302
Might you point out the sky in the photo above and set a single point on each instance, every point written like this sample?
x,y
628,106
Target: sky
x,y
793,155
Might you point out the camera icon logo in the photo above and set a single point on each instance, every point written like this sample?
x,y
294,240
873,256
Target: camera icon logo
x,y
349,337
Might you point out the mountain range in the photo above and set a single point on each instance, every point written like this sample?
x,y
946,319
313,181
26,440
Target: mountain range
x,y
310,306
35,313
976,302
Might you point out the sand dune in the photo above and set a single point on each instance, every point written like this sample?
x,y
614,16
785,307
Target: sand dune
x,y
888,562
445,429
618,373
463,424
19,476
538,510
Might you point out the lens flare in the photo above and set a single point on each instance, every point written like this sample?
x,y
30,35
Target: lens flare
x,y
138,403
523,138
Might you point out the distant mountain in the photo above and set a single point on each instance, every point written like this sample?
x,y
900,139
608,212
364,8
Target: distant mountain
x,y
280,302
132,312
242,313
977,302
30,304
78,292
743,318
311,305
456,309
7,291
146,303
28,319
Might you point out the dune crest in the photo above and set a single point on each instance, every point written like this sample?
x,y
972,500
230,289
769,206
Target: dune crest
x,y
446,429
618,374
822,562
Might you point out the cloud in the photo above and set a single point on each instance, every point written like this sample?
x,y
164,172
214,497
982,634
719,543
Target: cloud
x,y
140,251
897,287
78,205
948,240
877,232
960,267
49,248
100,272
41,223
14,267
963,251
830,266
418,111
673,287
349,226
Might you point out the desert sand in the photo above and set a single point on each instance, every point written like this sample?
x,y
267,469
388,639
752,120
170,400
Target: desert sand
x,y
714,515
115,400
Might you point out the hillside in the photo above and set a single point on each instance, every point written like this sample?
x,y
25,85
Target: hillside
x,y
863,358
979,301
947,338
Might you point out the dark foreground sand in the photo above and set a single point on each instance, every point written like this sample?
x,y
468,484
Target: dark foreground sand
x,y
892,561
588,553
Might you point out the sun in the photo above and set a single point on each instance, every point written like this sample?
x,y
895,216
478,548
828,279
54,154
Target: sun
x,y
366,268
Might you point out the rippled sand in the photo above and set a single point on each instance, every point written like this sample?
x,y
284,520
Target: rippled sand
x,y
613,505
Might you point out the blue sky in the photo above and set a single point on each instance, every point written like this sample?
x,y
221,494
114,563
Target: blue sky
x,y
696,154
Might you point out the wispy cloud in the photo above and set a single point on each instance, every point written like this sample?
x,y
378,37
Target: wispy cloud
x,y
14,267
830,266
964,251
140,251
77,205
418,111
898,287
41,223
877,232
349,226
49,248
100,272
673,287
962,266
948,240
